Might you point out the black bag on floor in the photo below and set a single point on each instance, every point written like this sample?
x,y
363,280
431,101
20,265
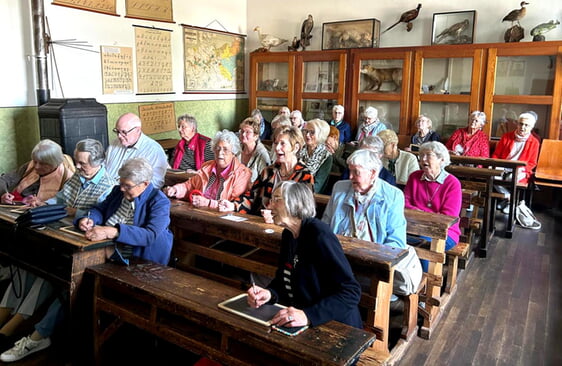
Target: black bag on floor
x,y
41,215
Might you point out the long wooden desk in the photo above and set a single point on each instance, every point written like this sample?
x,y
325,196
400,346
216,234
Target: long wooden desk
x,y
51,253
174,177
181,308
482,180
511,185
195,230
435,226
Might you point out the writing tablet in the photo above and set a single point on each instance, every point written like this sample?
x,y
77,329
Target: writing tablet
x,y
239,306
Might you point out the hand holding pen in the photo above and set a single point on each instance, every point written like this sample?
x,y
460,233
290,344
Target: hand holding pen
x,y
257,296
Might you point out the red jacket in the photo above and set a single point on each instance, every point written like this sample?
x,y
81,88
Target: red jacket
x,y
529,154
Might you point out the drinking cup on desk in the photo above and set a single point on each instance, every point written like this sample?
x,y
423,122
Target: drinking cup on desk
x,y
268,218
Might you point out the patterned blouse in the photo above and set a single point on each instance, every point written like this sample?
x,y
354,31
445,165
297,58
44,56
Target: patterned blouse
x,y
259,195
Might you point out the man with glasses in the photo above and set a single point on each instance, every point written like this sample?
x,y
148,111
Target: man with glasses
x,y
132,143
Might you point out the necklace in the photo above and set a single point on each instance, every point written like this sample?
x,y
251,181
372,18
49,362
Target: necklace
x,y
430,198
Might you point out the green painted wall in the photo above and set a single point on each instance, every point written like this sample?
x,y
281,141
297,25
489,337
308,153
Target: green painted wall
x,y
19,127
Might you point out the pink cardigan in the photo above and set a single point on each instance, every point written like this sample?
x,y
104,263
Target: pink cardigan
x,y
447,200
237,182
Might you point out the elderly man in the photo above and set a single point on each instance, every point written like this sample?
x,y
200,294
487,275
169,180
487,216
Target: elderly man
x,y
520,145
130,143
193,149
340,124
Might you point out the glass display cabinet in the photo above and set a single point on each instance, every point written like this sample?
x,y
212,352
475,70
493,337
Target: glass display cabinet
x,y
310,81
521,79
446,87
381,79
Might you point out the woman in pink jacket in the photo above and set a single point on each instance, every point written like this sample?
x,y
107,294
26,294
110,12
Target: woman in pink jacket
x,y
224,178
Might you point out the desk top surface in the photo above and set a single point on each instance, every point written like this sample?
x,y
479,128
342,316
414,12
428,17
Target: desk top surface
x,y
505,163
254,230
53,230
332,344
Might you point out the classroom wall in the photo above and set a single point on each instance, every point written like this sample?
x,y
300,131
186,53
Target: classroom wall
x,y
80,74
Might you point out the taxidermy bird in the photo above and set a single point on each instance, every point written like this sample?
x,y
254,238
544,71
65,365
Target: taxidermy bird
x,y
295,44
306,29
517,14
453,31
267,40
406,17
543,28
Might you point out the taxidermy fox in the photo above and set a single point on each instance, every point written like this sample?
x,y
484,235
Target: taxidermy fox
x,y
378,76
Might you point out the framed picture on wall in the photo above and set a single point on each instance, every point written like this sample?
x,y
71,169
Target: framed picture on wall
x,y
453,28
360,33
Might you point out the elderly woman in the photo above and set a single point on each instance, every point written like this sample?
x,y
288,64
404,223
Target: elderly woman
x,y
193,149
343,127
224,178
432,189
87,187
315,155
287,142
254,154
312,261
38,180
371,124
338,150
265,126
135,216
424,133
369,208
470,141
520,145
399,163
375,144
296,119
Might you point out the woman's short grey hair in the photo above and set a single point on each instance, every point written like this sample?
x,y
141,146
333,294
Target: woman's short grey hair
x,y
298,199
298,114
256,112
189,119
438,149
321,129
368,159
338,106
373,143
137,170
230,138
481,116
388,137
94,148
371,112
531,116
47,152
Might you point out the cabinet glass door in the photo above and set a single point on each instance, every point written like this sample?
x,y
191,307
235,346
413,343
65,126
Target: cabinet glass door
x,y
273,76
321,77
446,117
446,76
524,75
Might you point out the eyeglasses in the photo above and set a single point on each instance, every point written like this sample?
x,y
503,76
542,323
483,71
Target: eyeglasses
x,y
123,133
127,187
428,155
308,132
225,150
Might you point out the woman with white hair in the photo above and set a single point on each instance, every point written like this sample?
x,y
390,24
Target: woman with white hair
x,y
311,259
296,119
370,209
193,149
371,124
520,145
223,178
470,140
338,122
425,132
433,189
317,158
398,162
39,179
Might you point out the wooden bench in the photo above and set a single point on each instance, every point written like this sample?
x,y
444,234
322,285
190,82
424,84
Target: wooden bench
x,y
197,230
181,308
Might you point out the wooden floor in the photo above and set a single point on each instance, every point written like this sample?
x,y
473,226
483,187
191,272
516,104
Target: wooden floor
x,y
507,311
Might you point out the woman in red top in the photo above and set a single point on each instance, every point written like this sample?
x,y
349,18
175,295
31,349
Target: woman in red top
x,y
470,141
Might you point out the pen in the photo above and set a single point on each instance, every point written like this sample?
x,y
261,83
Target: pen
x,y
253,286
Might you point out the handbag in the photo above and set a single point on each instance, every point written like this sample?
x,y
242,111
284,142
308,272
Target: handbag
x,y
41,215
525,217
407,274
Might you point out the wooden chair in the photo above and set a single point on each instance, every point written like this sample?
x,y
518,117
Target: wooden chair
x,y
548,172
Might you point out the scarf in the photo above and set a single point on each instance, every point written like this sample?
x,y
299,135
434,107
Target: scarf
x,y
49,184
197,144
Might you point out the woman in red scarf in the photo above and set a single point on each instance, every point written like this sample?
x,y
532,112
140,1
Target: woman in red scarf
x,y
193,149
470,141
